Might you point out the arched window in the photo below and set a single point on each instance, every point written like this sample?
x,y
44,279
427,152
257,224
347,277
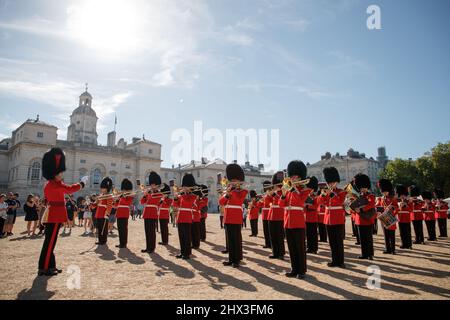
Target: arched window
x,y
96,177
34,171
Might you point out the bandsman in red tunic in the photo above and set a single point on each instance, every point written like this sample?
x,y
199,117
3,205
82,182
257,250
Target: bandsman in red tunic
x,y
123,212
293,203
416,207
388,201
203,204
321,217
53,166
253,207
333,198
441,209
312,217
266,202
232,201
196,219
151,201
163,214
276,218
363,219
404,216
104,208
429,215
185,202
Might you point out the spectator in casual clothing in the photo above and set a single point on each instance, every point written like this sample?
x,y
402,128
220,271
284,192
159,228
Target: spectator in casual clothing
x,y
3,216
10,214
31,215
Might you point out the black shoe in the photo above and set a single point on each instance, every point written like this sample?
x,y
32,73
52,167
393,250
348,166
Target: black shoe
x,y
370,257
291,274
332,265
179,256
235,265
357,243
227,263
56,270
363,257
224,251
120,247
417,242
145,251
185,258
266,247
47,273
301,276
393,252
273,257
386,252
343,266
281,258
403,247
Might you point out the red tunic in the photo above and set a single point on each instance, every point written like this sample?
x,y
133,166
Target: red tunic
x,y
384,202
265,206
404,209
203,202
151,205
441,209
54,192
276,213
196,214
104,208
321,211
123,207
312,214
233,206
184,203
334,211
164,208
428,211
359,221
294,208
254,209
416,210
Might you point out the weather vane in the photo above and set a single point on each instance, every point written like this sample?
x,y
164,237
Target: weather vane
x,y
86,86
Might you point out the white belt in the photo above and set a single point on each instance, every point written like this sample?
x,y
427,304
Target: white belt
x,y
335,208
266,209
233,207
275,206
123,206
417,211
165,209
442,210
184,209
151,206
295,208
403,212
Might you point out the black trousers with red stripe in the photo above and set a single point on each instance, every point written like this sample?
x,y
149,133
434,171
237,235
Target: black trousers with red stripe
x,y
266,234
405,234
431,228
150,234
195,235
234,241
203,229
221,222
102,230
277,238
418,231
389,240
164,226
322,232
366,238
47,258
122,226
442,223
336,234
184,234
254,227
312,238
297,251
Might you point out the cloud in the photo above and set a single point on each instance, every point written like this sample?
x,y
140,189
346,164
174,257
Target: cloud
x,y
240,39
300,24
310,92
345,61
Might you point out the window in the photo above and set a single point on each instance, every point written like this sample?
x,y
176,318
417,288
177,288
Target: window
x,y
35,174
127,166
198,174
166,175
113,164
150,151
82,161
96,177
40,134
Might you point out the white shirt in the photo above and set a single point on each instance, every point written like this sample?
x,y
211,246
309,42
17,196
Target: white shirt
x,y
3,212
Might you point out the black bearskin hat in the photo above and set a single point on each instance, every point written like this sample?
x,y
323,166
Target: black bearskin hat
x,y
278,178
166,189
439,194
126,185
266,185
313,183
414,191
188,180
362,181
235,172
53,163
205,190
154,178
296,168
401,190
106,184
426,195
331,175
385,185
253,194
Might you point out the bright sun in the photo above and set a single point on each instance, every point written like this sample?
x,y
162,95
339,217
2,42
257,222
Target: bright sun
x,y
109,26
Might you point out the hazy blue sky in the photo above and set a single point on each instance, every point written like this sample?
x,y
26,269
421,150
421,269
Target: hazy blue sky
x,y
301,66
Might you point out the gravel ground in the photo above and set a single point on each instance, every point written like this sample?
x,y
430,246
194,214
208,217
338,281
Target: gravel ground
x,y
109,273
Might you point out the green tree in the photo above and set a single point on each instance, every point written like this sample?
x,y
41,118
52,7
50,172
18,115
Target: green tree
x,y
401,171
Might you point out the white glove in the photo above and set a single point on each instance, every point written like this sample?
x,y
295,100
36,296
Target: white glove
x,y
85,179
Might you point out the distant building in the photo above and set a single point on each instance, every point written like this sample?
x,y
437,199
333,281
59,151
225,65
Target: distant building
x,y
21,155
349,165
206,171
